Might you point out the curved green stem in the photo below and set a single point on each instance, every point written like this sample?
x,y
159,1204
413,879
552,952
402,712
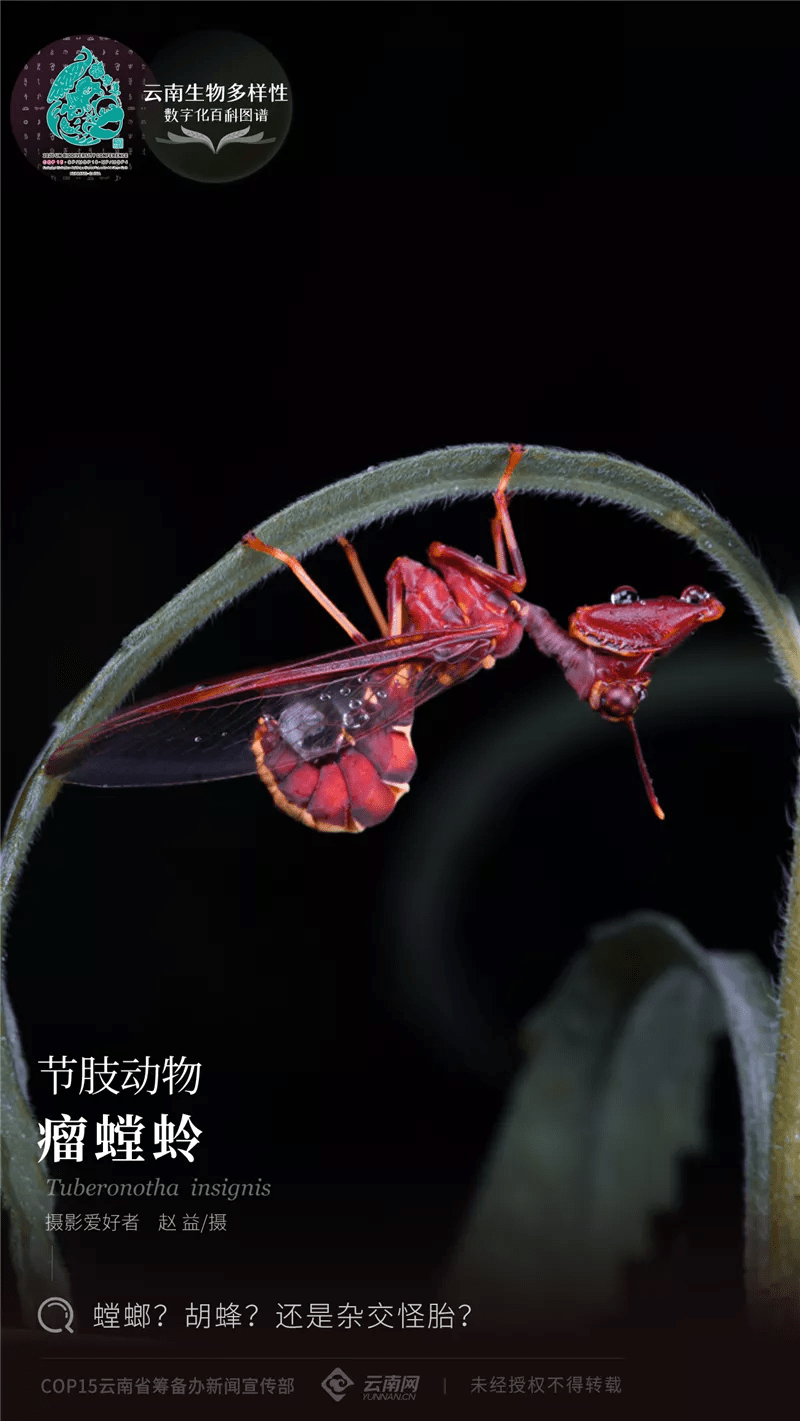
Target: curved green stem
x,y
392,488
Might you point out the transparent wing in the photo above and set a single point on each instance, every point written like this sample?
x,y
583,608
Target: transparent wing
x,y
205,733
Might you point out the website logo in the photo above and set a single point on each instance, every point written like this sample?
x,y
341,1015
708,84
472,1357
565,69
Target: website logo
x,y
336,1384
391,1386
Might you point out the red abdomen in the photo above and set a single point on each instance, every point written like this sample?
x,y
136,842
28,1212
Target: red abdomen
x,y
344,789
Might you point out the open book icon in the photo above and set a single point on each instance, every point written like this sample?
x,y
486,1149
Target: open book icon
x,y
240,135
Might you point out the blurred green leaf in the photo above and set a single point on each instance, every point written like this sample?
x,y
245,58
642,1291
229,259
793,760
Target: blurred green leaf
x,y
610,1100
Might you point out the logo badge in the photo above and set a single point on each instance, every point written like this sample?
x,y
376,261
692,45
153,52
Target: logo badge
x,y
73,108
337,1383
219,108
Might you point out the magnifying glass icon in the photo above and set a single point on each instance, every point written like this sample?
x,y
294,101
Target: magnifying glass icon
x,y
68,1313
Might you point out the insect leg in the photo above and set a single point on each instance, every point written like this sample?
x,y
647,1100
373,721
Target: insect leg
x,y
361,579
251,541
394,584
502,521
499,546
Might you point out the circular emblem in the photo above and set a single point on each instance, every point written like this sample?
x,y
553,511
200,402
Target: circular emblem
x,y
74,107
219,107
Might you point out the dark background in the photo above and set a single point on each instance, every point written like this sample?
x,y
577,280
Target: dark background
x,y
557,225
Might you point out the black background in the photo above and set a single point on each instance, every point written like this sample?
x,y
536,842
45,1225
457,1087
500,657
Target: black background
x,y
556,225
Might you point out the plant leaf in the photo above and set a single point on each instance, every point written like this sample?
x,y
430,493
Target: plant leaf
x,y
34,1252
612,1096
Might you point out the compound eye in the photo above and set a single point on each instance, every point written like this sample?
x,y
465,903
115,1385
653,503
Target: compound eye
x,y
625,594
694,594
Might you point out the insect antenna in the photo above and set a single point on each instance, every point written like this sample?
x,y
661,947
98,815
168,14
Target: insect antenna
x,y
643,771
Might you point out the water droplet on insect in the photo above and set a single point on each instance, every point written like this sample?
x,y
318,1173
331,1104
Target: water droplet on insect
x,y
382,695
197,739
324,695
345,690
694,594
353,720
353,705
708,543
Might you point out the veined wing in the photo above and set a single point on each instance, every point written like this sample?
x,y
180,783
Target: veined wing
x,y
206,732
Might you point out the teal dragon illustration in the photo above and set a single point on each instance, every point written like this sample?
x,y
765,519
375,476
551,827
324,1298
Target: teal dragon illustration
x,y
84,103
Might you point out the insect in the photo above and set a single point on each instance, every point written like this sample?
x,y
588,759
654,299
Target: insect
x,y
331,737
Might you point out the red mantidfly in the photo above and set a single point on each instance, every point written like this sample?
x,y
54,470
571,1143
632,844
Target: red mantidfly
x,y
331,737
